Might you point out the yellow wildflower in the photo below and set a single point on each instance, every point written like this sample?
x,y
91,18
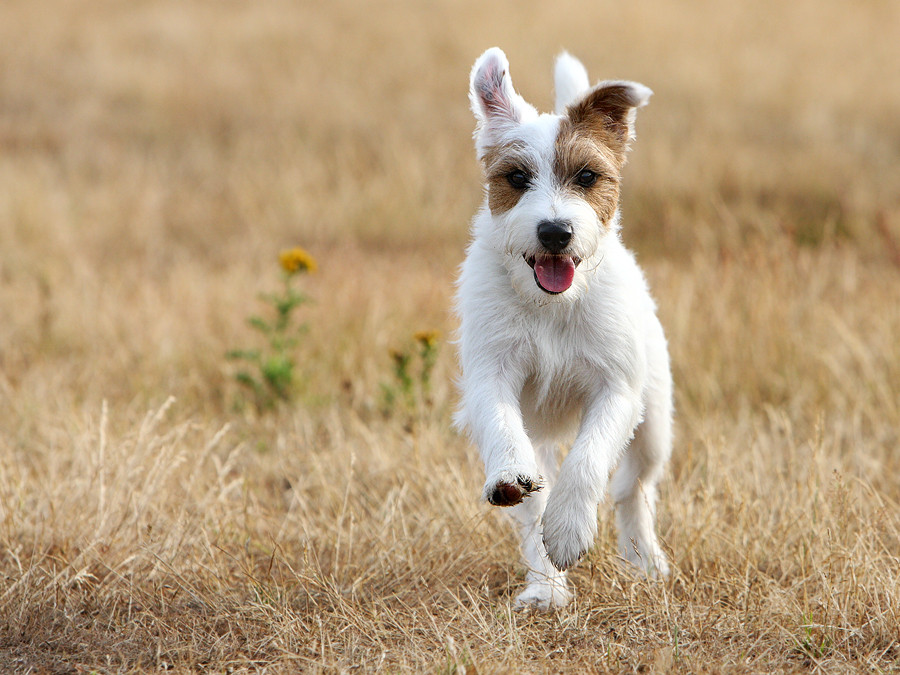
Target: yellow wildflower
x,y
427,338
294,260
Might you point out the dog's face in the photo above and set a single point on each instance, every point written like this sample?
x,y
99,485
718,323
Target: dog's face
x,y
552,180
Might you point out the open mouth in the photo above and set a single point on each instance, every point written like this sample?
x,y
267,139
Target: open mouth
x,y
553,273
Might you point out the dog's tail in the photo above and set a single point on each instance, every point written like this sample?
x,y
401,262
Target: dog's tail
x,y
570,81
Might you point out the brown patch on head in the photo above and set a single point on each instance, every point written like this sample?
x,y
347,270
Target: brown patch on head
x,y
580,147
609,112
594,137
499,162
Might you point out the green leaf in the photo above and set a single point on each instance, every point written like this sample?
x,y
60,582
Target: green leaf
x,y
247,379
260,324
243,354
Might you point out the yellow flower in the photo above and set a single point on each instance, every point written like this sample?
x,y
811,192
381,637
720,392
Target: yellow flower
x,y
427,338
294,260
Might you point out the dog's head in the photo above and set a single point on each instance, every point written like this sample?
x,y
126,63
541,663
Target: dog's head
x,y
552,180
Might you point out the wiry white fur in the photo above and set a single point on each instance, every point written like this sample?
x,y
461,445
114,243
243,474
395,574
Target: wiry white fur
x,y
570,82
490,75
539,369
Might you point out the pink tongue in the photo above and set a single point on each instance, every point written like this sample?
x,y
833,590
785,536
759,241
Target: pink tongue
x,y
554,273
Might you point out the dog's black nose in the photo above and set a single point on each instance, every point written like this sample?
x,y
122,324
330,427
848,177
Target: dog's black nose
x,y
555,235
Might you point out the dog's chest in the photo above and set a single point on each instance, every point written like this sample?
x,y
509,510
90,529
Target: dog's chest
x,y
560,363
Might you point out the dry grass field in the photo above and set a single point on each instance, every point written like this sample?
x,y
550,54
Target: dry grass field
x,y
155,157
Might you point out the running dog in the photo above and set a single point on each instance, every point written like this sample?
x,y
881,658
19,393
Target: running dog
x,y
559,337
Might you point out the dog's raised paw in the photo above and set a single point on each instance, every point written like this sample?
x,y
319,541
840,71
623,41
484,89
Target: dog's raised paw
x,y
509,491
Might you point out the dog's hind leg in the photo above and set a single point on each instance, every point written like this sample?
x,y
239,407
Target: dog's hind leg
x,y
547,587
633,486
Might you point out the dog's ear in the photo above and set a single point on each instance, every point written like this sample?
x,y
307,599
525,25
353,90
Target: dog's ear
x,y
611,107
570,81
496,104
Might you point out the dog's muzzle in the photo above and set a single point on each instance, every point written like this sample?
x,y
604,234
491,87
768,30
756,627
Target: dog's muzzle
x,y
554,271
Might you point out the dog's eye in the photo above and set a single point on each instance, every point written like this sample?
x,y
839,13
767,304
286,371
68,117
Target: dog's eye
x,y
518,179
586,178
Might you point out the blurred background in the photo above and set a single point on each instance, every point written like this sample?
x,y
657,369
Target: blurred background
x,y
155,156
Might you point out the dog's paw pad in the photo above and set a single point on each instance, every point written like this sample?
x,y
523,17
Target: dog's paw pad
x,y
506,493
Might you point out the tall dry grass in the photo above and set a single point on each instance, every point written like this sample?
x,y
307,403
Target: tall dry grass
x,y
154,158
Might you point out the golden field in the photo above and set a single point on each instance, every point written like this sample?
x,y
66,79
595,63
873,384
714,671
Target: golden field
x,y
155,158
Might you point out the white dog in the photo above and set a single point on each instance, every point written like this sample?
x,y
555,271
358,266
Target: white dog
x,y
559,334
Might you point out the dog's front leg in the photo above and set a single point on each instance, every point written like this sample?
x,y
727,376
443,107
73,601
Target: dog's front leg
x,y
493,415
570,519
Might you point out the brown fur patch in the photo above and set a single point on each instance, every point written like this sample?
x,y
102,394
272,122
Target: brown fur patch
x,y
582,145
499,162
608,112
594,135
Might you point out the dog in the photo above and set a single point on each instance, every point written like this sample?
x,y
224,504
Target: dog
x,y
559,337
